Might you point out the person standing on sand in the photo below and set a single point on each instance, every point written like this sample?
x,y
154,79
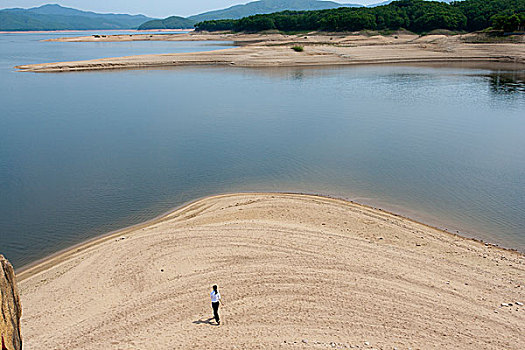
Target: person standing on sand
x,y
215,300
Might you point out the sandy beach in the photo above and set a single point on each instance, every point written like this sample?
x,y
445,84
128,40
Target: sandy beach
x,y
295,271
275,50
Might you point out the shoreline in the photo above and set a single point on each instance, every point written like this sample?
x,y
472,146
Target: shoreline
x,y
275,50
90,30
48,262
87,66
320,264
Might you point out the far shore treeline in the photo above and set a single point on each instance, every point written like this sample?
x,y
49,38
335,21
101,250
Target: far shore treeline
x,y
415,15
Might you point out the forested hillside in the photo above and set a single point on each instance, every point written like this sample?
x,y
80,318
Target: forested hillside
x,y
415,15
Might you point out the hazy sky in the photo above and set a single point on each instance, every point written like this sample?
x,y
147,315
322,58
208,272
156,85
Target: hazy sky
x,y
153,8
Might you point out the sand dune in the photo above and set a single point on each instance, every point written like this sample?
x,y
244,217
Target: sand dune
x,y
295,271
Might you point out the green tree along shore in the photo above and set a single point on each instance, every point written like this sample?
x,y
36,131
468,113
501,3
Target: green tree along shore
x,y
415,15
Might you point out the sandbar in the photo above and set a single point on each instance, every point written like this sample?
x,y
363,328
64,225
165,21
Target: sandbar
x,y
295,271
275,50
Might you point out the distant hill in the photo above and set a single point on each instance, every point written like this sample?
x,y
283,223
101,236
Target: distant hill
x,y
268,6
240,11
56,17
381,3
173,22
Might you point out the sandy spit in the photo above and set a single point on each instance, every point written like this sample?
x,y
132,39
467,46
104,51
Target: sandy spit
x,y
274,50
295,271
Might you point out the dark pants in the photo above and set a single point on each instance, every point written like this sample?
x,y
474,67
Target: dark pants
x,y
215,307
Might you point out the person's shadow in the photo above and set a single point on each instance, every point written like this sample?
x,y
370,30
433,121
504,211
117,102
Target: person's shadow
x,y
208,321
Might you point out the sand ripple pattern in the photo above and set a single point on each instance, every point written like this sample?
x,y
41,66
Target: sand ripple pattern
x,y
290,268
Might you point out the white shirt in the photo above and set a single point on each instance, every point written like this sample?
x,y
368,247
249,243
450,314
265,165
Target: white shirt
x,y
215,297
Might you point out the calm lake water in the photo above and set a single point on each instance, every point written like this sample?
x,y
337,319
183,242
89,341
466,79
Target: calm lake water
x,y
85,153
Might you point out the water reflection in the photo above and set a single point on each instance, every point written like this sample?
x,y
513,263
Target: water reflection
x,y
507,82
298,74
82,154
